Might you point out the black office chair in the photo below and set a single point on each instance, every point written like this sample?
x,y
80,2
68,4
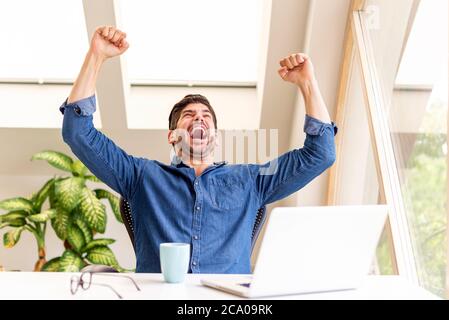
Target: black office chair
x,y
125,212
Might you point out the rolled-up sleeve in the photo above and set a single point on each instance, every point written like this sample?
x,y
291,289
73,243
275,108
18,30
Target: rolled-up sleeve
x,y
293,170
101,155
84,107
315,127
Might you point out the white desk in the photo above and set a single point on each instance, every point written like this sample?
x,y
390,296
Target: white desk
x,y
53,285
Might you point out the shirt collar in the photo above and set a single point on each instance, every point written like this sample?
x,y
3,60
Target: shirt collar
x,y
178,163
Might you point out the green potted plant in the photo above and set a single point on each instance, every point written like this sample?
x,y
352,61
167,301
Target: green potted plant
x,y
74,211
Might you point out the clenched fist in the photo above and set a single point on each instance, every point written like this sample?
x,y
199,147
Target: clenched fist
x,y
108,42
296,68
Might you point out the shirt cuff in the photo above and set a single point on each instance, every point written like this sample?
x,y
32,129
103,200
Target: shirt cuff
x,y
316,127
83,107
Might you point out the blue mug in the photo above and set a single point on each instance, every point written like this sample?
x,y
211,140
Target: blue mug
x,y
174,258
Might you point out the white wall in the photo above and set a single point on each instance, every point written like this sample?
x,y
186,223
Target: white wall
x,y
34,105
149,107
326,51
357,174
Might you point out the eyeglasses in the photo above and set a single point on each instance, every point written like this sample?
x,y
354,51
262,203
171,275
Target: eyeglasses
x,y
84,281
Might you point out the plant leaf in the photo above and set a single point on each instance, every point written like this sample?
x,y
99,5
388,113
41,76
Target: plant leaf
x,y
97,243
16,204
13,219
84,227
12,237
75,237
43,216
70,262
52,265
56,159
68,192
93,211
60,223
52,195
39,198
102,255
92,178
79,168
17,222
87,232
113,201
12,216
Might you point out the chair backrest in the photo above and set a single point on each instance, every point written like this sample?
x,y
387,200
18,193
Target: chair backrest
x,y
125,211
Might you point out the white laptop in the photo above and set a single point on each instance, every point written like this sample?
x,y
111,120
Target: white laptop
x,y
311,249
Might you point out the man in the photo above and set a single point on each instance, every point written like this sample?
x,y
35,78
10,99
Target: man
x,y
210,205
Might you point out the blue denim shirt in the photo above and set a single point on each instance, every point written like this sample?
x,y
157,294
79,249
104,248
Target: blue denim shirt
x,y
214,212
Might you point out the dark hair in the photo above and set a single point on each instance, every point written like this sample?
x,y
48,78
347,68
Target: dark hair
x,y
175,112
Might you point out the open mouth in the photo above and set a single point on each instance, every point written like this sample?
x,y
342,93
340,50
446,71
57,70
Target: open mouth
x,y
198,132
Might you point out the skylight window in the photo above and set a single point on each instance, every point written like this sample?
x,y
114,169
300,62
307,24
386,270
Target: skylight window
x,y
427,48
42,40
198,40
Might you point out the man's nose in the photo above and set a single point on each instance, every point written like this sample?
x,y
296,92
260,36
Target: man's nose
x,y
198,117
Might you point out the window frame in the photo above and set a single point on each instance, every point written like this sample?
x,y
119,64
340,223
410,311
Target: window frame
x,y
358,49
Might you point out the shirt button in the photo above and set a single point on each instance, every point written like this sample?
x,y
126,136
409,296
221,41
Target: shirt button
x,y
196,183
198,208
194,263
195,237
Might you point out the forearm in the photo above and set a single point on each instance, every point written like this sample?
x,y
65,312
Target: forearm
x,y
294,169
314,102
85,83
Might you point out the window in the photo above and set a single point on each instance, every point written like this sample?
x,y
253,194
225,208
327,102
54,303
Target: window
x,y
46,42
418,127
201,40
45,39
426,49
415,102
404,54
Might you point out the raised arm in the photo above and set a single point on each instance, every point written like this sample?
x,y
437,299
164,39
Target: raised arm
x,y
107,42
293,170
106,160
